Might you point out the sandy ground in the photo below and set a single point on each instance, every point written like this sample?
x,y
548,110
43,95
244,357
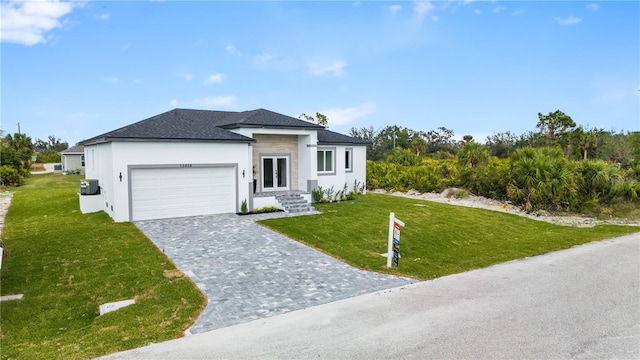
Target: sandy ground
x,y
448,197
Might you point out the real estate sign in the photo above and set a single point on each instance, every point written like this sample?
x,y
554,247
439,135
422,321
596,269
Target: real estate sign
x,y
396,244
393,250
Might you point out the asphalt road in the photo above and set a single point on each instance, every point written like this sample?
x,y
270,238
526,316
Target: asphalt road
x,y
582,302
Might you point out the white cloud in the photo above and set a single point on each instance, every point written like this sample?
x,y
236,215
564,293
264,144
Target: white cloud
x,y
517,12
335,68
264,58
421,9
395,9
571,20
343,116
173,103
104,16
593,7
214,79
216,101
498,9
435,18
477,11
232,50
27,22
187,76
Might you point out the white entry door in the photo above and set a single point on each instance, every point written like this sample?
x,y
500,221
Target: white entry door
x,y
275,173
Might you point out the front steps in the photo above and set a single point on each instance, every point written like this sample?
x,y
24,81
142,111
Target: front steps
x,y
293,203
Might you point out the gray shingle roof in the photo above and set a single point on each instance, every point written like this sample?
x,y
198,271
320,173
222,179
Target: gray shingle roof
x,y
77,149
327,137
266,118
200,125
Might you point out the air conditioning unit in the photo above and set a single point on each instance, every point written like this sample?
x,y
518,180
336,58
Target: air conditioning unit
x,y
89,187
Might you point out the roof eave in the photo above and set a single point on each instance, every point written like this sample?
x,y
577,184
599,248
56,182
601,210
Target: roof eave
x,y
125,139
343,143
241,126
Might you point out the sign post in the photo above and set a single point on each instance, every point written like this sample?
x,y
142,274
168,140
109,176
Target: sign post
x,y
393,249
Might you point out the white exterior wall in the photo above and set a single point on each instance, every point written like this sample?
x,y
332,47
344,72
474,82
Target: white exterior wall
x,y
119,157
337,180
98,165
72,162
306,167
359,166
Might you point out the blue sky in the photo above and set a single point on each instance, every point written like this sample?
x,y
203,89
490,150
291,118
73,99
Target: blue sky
x,y
78,69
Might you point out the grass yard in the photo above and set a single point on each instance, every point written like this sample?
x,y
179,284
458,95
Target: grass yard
x,y
66,264
438,239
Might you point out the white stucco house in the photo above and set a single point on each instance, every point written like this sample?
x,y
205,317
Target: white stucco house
x,y
73,158
197,162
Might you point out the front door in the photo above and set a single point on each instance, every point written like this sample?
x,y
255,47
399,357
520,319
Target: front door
x,y
275,173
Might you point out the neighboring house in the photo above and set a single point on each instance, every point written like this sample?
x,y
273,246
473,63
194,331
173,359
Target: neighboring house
x,y
73,158
196,162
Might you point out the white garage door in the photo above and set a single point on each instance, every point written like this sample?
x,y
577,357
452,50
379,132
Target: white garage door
x,y
176,192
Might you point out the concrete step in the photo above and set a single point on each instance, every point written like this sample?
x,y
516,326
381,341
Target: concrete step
x,y
293,203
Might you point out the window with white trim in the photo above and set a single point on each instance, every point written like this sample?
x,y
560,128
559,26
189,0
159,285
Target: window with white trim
x,y
348,159
325,161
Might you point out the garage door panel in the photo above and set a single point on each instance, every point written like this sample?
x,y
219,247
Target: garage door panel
x,y
175,192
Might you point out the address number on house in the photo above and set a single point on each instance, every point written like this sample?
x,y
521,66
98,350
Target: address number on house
x,y
186,165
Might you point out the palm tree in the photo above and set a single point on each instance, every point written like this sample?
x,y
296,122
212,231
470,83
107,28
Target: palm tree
x,y
473,154
541,178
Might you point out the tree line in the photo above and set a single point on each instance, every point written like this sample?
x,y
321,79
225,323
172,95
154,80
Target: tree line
x,y
560,167
555,129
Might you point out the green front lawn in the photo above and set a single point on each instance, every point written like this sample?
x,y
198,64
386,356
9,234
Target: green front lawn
x,y
66,264
438,239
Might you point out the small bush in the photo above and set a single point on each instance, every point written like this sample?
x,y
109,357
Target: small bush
x,y
10,176
316,194
266,209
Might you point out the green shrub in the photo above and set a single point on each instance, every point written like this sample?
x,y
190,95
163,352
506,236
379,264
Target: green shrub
x,y
10,176
316,194
48,156
266,209
404,157
541,178
600,180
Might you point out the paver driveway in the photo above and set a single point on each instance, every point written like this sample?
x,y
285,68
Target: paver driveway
x,y
249,272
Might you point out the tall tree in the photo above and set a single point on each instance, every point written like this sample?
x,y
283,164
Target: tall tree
x,y
501,144
554,124
418,144
440,140
319,118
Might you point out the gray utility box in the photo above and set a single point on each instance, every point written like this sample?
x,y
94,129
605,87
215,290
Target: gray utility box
x,y
89,187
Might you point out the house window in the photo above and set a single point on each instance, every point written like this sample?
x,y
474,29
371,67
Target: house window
x,y
325,161
348,160
82,159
